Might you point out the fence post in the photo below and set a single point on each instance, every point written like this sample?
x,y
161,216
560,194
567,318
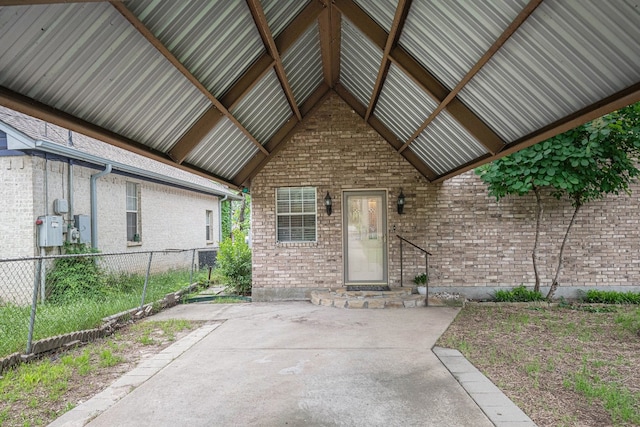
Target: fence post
x,y
146,281
193,259
32,319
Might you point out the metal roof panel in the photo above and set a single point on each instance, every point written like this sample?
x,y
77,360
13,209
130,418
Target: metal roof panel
x,y
88,61
381,11
264,109
566,56
217,41
303,64
360,60
448,37
224,151
445,145
280,13
403,106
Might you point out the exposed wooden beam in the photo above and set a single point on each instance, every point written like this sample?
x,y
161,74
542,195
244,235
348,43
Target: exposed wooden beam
x,y
157,44
192,138
281,138
283,42
467,118
420,75
248,80
496,145
614,102
330,35
31,107
267,38
396,28
385,133
364,22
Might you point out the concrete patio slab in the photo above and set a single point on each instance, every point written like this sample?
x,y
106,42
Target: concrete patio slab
x,y
295,364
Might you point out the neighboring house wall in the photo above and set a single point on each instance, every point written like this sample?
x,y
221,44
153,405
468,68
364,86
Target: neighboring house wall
x,y
477,244
171,218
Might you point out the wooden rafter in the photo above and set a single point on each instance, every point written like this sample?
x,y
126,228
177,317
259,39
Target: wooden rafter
x,y
396,28
329,24
506,34
267,38
31,107
283,42
483,133
280,139
157,44
614,102
385,133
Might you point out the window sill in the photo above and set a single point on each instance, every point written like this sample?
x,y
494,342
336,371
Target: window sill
x,y
297,244
133,244
210,243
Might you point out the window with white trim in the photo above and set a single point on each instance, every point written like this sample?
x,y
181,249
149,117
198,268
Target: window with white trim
x,y
133,212
208,222
296,214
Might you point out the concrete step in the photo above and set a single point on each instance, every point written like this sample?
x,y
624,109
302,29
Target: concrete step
x,y
394,298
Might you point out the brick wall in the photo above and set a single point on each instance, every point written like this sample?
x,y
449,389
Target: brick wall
x,y
171,217
477,244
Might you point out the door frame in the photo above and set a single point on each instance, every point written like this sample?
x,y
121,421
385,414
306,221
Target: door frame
x,y
385,233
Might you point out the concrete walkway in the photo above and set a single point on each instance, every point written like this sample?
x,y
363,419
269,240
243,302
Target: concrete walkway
x,y
276,364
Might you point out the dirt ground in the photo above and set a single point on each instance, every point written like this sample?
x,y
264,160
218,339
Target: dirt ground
x,y
563,366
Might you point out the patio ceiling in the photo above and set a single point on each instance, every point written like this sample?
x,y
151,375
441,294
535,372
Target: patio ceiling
x,y
219,87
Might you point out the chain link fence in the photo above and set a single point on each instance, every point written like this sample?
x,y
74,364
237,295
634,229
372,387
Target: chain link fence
x,y
43,297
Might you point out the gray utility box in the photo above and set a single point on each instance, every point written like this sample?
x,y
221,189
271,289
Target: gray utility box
x,y
50,229
83,225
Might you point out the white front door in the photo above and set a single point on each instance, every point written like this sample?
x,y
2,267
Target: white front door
x,y
365,236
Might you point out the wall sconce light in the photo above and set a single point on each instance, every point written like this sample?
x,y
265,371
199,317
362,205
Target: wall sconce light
x,y
401,203
328,203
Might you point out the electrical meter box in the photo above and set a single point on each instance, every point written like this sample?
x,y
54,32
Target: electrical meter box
x,y
83,225
50,229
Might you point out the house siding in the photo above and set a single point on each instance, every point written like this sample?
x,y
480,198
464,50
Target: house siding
x,y
478,245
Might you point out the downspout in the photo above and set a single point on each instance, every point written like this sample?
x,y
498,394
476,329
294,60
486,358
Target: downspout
x,y
70,191
220,218
94,205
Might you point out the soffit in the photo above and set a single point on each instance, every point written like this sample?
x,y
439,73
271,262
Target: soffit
x,y
218,87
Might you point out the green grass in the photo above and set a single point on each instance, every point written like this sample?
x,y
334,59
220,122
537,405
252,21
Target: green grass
x,y
629,322
87,313
619,401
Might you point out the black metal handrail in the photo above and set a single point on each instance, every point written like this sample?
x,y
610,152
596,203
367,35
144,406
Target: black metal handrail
x,y
426,266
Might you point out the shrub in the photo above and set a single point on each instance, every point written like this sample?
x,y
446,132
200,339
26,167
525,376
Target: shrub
x,y
75,278
233,265
611,297
519,294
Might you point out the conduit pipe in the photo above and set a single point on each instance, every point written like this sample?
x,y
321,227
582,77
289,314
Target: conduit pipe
x,y
94,205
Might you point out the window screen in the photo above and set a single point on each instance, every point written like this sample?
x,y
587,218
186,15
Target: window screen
x,y
296,214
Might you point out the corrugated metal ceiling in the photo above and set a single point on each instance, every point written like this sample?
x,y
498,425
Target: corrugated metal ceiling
x,y
216,40
403,106
556,64
360,60
303,64
280,13
191,81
